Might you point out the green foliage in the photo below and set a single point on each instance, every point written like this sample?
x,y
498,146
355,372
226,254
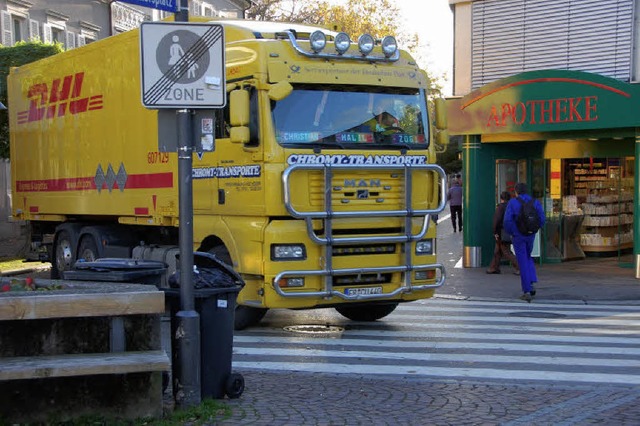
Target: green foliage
x,y
18,55
209,412
450,160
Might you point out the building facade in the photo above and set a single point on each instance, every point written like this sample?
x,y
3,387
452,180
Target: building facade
x,y
78,22
545,93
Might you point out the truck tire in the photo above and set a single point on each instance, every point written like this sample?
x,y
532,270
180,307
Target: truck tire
x,y
88,249
245,316
366,312
63,255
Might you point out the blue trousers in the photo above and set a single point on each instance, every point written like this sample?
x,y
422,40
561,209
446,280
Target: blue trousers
x,y
523,246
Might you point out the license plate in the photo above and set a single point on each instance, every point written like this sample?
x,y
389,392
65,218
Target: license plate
x,y
362,291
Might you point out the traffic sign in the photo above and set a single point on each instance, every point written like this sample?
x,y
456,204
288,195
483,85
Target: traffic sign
x,y
168,5
182,65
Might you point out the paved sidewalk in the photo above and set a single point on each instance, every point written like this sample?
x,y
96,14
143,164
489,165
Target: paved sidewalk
x,y
590,280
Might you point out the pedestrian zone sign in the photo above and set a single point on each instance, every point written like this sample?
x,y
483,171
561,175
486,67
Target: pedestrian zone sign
x,y
182,65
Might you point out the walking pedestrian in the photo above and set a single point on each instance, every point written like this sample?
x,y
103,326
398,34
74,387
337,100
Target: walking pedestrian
x,y
455,204
502,247
523,243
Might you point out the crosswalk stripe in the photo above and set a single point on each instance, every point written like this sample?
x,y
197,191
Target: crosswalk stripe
x,y
444,345
438,357
444,305
528,337
416,370
463,339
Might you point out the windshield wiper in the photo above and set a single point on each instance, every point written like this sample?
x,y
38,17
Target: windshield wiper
x,y
393,145
328,145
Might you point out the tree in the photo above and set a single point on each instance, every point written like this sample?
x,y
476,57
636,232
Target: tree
x,y
375,17
450,159
20,54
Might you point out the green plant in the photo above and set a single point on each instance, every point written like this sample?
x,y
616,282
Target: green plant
x,y
208,412
22,53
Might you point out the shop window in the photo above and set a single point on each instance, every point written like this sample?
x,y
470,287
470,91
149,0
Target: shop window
x,y
602,190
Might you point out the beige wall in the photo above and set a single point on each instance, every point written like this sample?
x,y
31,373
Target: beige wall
x,y
462,28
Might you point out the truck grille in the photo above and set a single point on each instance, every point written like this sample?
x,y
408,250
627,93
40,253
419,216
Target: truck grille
x,y
375,188
355,250
362,279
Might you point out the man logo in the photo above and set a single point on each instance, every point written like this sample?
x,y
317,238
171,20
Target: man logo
x,y
363,194
361,183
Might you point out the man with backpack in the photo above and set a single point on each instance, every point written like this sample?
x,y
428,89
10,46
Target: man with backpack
x,y
523,217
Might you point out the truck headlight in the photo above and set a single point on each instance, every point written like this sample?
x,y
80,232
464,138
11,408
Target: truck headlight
x,y
366,43
288,252
291,282
318,40
425,247
342,42
428,274
389,46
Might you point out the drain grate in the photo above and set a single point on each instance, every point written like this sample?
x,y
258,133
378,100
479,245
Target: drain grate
x,y
536,314
313,329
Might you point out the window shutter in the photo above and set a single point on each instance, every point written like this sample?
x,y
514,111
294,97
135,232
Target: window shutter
x,y
195,8
513,36
34,29
47,35
7,33
81,40
69,40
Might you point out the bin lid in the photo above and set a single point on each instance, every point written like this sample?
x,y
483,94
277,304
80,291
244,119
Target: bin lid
x,y
110,264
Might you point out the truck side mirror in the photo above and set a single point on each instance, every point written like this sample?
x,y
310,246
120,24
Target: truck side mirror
x,y
441,113
239,116
442,134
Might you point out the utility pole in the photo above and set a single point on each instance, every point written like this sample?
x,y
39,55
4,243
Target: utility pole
x,y
188,334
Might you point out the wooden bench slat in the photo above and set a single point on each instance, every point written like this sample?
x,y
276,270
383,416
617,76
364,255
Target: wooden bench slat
x,y
37,367
19,306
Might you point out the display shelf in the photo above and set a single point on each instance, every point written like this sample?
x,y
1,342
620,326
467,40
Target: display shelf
x,y
608,209
592,249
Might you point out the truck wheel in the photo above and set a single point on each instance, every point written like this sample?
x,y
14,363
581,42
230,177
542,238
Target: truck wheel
x,y
88,249
62,254
245,316
234,385
366,312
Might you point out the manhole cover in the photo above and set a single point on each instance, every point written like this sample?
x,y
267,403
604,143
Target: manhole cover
x,y
313,329
536,314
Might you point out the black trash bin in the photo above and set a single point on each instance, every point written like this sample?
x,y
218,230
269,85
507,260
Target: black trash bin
x,y
117,270
216,288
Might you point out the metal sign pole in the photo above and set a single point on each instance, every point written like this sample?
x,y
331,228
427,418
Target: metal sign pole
x,y
188,334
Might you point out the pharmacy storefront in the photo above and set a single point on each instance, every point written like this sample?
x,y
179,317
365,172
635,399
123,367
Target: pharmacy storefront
x,y
574,138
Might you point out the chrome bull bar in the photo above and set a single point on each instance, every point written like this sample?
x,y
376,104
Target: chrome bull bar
x,y
328,214
329,291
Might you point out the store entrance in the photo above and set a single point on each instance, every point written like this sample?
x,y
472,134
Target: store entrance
x,y
588,204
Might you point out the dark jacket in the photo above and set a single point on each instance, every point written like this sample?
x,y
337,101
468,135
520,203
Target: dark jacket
x,y
513,211
498,218
455,195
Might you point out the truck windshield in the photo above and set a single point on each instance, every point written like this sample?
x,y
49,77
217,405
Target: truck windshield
x,y
329,117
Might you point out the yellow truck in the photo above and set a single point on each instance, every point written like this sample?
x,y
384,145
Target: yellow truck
x,y
321,189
